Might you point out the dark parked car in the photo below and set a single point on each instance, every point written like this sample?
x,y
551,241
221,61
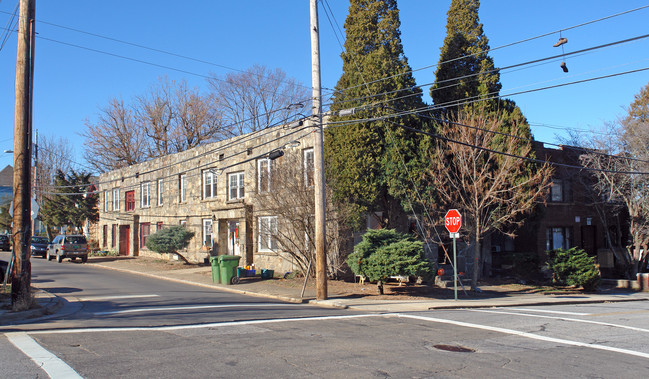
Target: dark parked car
x,y
71,246
39,246
5,243
3,269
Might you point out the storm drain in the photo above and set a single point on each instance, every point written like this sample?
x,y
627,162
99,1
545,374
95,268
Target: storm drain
x,y
457,349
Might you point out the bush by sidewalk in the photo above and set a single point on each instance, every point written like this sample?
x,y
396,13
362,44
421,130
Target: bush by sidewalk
x,y
574,267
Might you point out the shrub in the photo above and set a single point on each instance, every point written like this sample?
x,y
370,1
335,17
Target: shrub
x,y
170,240
573,267
384,253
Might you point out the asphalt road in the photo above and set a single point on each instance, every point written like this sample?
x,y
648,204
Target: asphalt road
x,y
122,325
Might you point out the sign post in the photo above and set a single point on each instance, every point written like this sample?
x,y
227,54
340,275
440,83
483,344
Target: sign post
x,y
453,222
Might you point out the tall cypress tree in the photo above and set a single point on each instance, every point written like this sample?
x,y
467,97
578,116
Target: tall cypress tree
x,y
363,166
465,71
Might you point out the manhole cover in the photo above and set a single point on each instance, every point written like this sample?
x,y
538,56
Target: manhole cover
x,y
458,349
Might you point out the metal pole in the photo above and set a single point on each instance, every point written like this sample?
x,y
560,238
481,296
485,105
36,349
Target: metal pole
x,y
318,156
454,266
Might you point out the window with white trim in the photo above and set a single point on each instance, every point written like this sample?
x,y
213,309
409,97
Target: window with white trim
x,y
105,201
116,199
236,186
209,184
182,187
267,233
308,167
207,232
146,195
263,175
160,191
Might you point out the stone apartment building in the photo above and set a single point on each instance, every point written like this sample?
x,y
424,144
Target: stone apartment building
x,y
215,190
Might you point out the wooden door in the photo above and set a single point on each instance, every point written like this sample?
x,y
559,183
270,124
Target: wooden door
x,y
124,240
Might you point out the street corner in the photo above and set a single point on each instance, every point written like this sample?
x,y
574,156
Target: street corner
x,y
44,304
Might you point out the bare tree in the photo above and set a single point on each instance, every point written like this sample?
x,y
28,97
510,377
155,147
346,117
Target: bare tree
x,y
257,98
196,119
621,154
481,172
114,140
155,112
287,192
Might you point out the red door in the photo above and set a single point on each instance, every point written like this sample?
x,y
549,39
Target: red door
x,y
124,240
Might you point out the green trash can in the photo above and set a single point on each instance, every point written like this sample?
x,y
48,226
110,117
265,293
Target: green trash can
x,y
216,269
228,264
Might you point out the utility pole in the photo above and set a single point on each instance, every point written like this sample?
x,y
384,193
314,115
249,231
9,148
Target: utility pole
x,y
318,157
21,281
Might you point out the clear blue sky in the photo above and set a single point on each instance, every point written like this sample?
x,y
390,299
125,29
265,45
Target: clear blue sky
x,y
72,83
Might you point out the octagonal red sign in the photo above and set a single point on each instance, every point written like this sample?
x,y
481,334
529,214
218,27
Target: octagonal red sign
x,y
453,221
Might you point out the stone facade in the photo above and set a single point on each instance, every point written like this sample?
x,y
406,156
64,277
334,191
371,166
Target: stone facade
x,y
212,189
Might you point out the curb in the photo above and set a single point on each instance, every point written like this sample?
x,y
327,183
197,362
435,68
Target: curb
x,y
211,286
535,303
54,304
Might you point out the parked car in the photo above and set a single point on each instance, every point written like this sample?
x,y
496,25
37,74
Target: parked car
x,y
5,242
39,246
71,246
3,268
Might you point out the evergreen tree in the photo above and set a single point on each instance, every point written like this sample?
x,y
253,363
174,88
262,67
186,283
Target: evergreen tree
x,y
73,204
465,72
362,163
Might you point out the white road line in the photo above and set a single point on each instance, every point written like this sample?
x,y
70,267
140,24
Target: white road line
x,y
528,335
546,311
115,297
563,318
198,326
191,307
324,318
50,363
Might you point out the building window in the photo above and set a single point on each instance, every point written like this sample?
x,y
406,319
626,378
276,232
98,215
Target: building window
x,y
130,201
236,186
207,232
263,175
146,194
556,191
182,187
105,201
183,223
209,184
308,167
160,191
113,240
159,226
145,231
267,233
116,199
558,238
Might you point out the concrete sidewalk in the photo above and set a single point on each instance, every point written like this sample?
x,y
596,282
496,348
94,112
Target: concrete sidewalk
x,y
492,296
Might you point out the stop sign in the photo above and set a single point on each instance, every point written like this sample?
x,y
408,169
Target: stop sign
x,y
453,221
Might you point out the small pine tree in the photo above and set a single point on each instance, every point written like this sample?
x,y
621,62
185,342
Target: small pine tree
x,y
170,240
574,267
383,253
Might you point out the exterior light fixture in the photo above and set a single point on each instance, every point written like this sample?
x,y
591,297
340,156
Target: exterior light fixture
x,y
347,112
295,124
292,144
275,154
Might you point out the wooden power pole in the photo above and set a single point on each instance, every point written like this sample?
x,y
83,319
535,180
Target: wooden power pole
x,y
318,157
21,282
